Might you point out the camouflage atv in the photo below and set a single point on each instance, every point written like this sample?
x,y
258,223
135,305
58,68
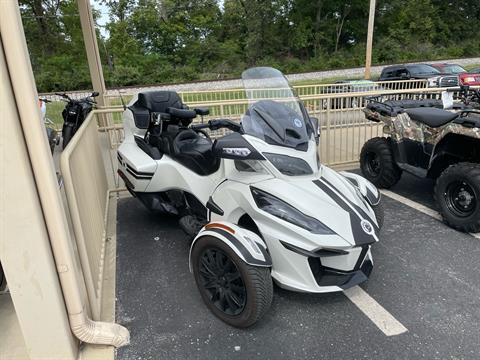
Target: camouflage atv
x,y
429,142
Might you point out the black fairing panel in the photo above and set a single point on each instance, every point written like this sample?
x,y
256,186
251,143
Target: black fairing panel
x,y
235,140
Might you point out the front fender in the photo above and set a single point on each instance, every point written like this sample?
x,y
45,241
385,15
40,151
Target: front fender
x,y
247,245
366,188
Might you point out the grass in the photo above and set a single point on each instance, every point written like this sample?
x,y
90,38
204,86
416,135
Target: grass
x,y
472,66
54,113
329,80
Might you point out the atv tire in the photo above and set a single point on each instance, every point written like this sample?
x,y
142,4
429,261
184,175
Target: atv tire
x,y
237,293
377,163
457,193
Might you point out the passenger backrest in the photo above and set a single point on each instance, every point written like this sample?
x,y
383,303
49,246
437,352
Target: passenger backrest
x,y
153,101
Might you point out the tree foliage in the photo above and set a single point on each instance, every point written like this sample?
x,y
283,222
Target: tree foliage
x,y
160,41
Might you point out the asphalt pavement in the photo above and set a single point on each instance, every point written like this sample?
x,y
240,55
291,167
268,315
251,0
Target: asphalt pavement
x,y
426,276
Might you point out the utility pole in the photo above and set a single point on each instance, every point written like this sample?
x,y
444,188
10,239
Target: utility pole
x,y
368,57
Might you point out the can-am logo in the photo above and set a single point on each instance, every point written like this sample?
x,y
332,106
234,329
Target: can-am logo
x,y
297,122
367,227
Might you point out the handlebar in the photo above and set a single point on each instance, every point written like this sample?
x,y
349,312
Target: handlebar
x,y
218,124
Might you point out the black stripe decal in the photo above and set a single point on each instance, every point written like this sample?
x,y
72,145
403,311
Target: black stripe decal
x,y
363,253
139,177
139,172
243,250
372,199
362,213
359,235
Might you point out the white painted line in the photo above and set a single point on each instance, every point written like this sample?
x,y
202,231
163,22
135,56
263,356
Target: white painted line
x,y
413,204
422,208
375,312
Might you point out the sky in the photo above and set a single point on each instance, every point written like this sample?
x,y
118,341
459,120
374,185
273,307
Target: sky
x,y
104,16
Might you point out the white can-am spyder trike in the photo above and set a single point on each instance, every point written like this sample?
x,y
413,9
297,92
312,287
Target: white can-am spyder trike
x,y
257,202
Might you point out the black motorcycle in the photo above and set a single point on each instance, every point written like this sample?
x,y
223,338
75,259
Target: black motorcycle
x,y
74,114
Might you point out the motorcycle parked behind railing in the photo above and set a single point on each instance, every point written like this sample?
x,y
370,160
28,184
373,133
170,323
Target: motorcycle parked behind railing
x,y
52,134
74,114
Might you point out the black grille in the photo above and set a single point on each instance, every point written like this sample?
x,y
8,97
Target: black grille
x,y
447,81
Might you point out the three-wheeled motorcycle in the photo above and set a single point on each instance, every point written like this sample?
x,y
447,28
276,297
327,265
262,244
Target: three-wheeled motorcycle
x,y
257,202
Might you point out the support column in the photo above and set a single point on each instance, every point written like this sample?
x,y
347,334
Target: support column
x,y
368,57
91,47
25,251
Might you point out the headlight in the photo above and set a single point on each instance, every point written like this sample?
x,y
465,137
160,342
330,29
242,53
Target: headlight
x,y
286,212
289,165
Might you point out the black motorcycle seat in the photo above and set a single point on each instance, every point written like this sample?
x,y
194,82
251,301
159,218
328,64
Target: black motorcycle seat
x,y
432,117
195,152
395,107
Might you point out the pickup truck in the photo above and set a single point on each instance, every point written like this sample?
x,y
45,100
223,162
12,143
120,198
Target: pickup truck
x,y
464,77
434,77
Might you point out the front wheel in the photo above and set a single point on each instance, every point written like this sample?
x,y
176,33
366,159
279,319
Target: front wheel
x,y
377,163
67,134
237,293
457,192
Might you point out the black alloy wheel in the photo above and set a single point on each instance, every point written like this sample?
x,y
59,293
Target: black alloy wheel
x,y
222,281
236,292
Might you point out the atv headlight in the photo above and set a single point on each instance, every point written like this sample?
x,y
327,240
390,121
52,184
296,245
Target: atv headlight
x,y
286,212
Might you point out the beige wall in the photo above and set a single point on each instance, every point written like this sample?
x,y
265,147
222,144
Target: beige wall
x,y
24,244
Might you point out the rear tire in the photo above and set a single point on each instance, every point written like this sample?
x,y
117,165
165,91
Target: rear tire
x,y
251,286
377,163
457,193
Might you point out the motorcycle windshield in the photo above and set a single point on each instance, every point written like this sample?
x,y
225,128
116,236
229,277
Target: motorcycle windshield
x,y
274,114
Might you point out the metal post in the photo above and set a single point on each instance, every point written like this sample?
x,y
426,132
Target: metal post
x,y
25,250
91,47
368,57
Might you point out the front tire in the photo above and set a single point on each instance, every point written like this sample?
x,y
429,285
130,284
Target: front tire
x,y
377,163
457,193
237,293
67,134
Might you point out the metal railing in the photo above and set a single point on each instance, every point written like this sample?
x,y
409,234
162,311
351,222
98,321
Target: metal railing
x,y
343,124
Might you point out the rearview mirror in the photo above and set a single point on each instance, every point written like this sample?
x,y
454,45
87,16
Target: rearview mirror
x,y
316,127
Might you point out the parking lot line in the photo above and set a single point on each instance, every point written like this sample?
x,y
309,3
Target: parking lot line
x,y
375,312
422,208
